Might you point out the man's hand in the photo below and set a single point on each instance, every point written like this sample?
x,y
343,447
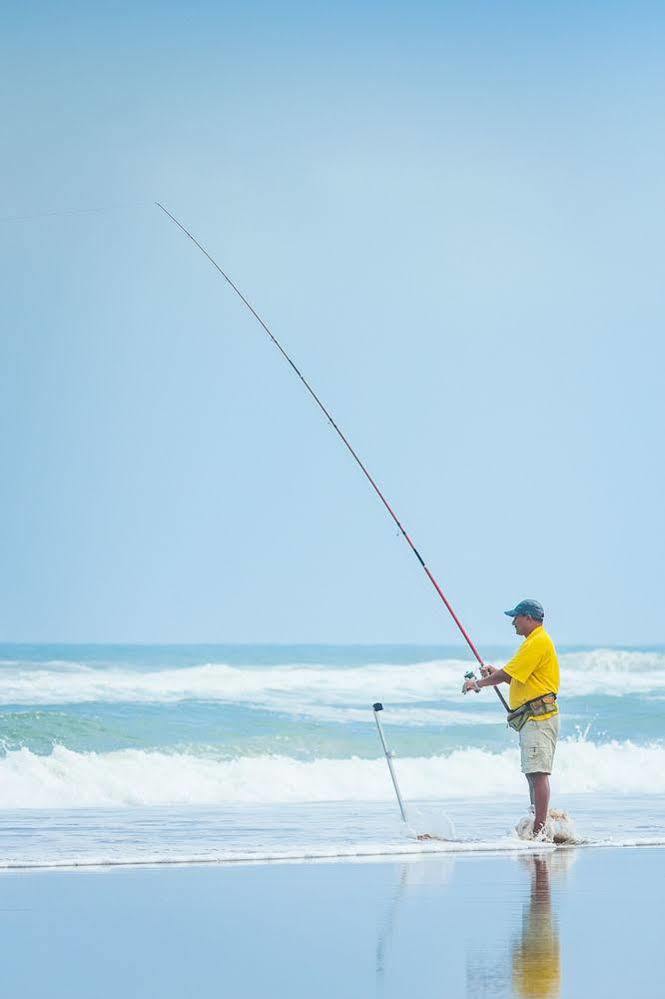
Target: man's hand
x,y
470,685
487,670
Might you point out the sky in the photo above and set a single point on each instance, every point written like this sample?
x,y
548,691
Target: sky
x,y
450,214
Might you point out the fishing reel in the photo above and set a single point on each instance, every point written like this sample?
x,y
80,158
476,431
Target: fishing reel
x,y
469,675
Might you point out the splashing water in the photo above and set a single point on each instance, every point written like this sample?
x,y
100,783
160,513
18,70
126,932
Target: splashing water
x,y
559,828
425,823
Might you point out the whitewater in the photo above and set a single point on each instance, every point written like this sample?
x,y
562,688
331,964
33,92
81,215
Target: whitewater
x,y
125,754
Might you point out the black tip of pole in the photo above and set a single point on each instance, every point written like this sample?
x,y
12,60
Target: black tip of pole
x,y
378,706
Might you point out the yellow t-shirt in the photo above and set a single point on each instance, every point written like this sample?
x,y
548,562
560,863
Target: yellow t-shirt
x,y
534,670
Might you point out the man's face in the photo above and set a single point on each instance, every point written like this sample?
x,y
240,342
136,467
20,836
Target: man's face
x,y
521,624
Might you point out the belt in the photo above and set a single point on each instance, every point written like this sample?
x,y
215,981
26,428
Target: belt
x,y
542,705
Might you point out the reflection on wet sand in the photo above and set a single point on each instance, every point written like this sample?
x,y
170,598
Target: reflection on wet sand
x,y
531,964
386,932
536,958
514,953
432,873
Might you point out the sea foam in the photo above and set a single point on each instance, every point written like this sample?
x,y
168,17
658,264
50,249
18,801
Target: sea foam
x,y
294,688
67,779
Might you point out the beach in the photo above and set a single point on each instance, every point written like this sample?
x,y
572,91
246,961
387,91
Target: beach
x,y
220,820
559,924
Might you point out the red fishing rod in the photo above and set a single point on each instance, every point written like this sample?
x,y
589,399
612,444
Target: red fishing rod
x,y
344,440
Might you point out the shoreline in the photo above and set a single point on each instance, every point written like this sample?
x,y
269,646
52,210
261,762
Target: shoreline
x,y
180,836
520,849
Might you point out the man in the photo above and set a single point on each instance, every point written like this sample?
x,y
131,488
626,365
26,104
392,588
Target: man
x,y
533,675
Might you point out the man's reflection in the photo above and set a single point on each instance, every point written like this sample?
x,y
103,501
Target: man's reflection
x,y
536,956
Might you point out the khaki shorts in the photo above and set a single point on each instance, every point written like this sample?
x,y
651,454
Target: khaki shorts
x,y
537,744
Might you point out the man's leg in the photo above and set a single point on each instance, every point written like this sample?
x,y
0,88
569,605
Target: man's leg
x,y
539,789
537,744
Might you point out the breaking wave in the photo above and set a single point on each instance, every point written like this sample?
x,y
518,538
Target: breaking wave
x,y
289,688
130,777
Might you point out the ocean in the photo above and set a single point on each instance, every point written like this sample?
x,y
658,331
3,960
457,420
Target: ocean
x,y
118,754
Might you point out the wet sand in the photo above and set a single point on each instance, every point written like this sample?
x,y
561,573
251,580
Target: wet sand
x,y
570,923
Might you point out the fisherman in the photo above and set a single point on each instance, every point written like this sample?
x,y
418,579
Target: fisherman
x,y
533,675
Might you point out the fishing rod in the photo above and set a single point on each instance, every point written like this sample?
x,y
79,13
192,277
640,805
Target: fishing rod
x,y
344,440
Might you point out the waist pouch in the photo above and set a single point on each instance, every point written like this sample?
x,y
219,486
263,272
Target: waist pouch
x,y
518,718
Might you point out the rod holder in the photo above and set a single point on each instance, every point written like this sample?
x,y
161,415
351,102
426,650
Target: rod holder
x,y
389,758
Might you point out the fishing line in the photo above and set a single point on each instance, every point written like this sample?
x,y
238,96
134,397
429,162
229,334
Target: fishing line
x,y
71,212
344,440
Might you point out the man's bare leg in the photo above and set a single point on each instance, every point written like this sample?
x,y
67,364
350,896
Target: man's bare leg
x,y
539,792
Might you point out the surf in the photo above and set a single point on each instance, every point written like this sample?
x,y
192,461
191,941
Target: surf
x,y
65,778
606,672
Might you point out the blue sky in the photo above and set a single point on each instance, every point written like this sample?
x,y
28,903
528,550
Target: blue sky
x,y
452,216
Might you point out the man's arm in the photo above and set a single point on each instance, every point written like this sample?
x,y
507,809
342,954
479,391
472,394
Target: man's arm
x,y
494,677
491,678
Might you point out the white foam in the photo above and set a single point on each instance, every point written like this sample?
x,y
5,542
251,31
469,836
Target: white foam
x,y
376,851
290,688
612,672
286,685
559,828
66,779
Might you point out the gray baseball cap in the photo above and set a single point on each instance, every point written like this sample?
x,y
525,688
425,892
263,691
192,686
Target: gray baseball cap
x,y
529,607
